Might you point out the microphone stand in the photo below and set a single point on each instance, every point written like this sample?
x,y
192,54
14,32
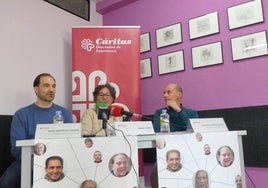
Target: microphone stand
x,y
104,125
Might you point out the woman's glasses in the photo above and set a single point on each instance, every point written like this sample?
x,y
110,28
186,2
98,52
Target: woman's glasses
x,y
104,95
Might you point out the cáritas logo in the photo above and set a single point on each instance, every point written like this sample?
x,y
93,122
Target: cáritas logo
x,y
104,44
87,44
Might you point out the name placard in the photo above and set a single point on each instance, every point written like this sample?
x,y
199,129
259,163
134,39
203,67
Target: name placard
x,y
66,130
208,125
134,128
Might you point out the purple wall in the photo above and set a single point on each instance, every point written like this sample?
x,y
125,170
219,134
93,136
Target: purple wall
x,y
231,84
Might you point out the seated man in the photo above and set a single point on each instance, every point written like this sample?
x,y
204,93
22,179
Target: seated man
x,y
25,120
178,117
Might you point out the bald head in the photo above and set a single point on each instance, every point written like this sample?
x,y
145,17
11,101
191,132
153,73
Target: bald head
x,y
173,94
175,87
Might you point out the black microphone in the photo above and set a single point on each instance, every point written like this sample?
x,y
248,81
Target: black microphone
x,y
103,113
102,110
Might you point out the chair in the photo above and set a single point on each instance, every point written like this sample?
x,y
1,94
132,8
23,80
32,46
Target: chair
x,y
6,157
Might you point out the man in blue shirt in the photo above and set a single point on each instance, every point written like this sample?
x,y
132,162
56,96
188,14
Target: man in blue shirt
x,y
178,115
25,120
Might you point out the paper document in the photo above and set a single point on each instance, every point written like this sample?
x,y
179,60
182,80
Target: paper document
x,y
134,127
208,125
65,130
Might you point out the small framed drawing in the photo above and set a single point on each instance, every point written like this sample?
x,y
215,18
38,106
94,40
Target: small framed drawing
x,y
80,8
168,35
206,55
204,25
248,46
146,68
145,43
171,62
245,14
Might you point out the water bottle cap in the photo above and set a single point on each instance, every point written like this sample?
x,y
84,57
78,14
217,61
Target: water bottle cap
x,y
58,112
164,110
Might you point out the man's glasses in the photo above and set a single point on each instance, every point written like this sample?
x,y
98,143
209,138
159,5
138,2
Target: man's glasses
x,y
104,95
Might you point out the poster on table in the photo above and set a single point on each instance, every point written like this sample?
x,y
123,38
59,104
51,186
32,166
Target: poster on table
x,y
196,160
69,162
105,54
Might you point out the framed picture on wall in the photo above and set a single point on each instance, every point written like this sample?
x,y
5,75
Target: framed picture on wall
x,y
206,55
171,62
146,68
79,8
245,14
145,43
168,35
204,25
248,46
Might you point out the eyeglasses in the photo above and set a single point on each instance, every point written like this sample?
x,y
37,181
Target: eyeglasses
x,y
104,95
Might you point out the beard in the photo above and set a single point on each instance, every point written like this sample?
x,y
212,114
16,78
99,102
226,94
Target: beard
x,y
49,97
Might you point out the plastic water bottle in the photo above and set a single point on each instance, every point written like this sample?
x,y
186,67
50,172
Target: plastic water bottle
x,y
58,118
164,122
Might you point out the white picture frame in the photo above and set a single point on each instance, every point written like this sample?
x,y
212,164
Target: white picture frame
x,y
245,14
168,35
249,46
146,68
171,62
145,42
207,55
204,25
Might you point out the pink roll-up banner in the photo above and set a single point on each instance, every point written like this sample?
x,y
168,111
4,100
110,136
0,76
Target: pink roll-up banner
x,y
104,54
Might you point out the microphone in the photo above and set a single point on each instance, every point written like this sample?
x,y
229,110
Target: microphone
x,y
117,111
102,110
103,113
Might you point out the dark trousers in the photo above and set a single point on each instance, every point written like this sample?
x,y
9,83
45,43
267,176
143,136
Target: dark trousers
x,y
11,177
